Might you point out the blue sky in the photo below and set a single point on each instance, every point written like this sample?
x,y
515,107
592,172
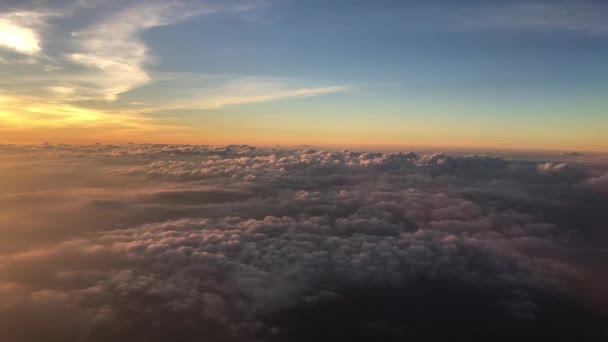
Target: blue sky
x,y
525,74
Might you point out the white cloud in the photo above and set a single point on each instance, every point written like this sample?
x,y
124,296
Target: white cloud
x,y
256,91
114,48
19,31
65,72
237,91
20,39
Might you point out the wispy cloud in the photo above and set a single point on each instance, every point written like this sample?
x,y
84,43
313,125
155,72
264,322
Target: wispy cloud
x,y
32,119
30,112
231,90
114,50
71,64
236,95
588,17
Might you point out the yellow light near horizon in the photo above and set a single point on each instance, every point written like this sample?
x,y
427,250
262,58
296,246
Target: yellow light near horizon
x,y
27,119
66,113
9,118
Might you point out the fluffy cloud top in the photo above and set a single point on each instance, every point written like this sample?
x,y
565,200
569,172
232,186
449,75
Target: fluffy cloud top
x,y
158,242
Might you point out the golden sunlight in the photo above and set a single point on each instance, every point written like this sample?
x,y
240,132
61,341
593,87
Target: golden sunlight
x,y
18,38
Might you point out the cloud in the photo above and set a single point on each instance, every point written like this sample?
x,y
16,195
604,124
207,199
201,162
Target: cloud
x,y
21,31
252,92
114,49
230,91
16,36
587,17
69,65
30,117
598,184
564,171
238,241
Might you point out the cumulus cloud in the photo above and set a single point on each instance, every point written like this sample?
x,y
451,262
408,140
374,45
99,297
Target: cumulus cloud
x,y
564,171
599,183
235,243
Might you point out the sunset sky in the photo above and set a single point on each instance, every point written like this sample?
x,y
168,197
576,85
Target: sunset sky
x,y
303,170
484,74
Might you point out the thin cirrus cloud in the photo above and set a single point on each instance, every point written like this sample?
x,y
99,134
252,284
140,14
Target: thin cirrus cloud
x,y
278,94
77,69
114,50
586,17
226,90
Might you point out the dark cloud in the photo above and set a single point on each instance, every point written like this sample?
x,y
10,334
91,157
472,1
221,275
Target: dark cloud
x,y
199,197
175,242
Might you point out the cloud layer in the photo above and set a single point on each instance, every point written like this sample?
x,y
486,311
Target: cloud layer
x,y
157,242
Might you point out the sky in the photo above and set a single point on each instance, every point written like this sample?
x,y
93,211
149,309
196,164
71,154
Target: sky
x,y
297,171
483,74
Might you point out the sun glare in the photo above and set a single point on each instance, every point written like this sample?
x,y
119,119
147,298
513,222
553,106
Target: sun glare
x,y
20,39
